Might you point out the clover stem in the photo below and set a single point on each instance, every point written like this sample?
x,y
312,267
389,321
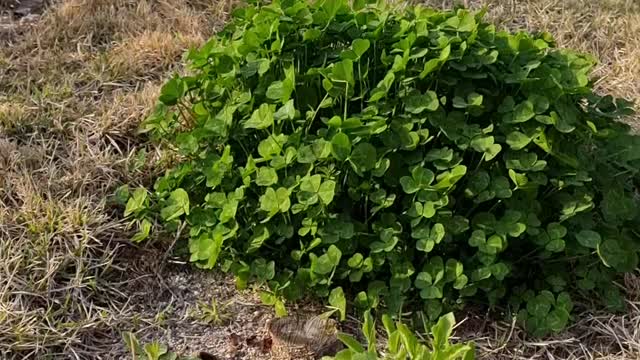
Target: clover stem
x,y
315,113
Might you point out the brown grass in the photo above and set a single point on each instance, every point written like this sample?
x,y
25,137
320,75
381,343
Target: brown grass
x,y
74,87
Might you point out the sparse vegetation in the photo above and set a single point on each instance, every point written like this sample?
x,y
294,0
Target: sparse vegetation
x,y
403,344
74,86
212,312
67,139
150,351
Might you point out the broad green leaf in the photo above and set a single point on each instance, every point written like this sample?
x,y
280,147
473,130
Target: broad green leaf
x,y
281,90
338,301
363,157
418,103
477,183
261,118
564,301
556,231
260,235
285,112
271,145
588,238
449,178
327,191
311,34
266,176
478,238
219,169
177,205
442,331
274,201
305,155
350,342
321,149
360,46
437,232
136,202
321,265
423,280
520,180
334,255
144,228
421,178
433,64
280,309
555,245
539,306
342,72
540,103
481,274
521,113
517,140
228,211
460,282
616,256
340,146
431,292
493,245
172,91
206,248
268,298
557,320
355,261
154,350
453,269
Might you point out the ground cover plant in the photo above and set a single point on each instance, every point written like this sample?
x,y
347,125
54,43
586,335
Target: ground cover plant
x,y
422,157
402,343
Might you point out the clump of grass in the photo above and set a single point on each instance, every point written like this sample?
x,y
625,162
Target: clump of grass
x,y
212,313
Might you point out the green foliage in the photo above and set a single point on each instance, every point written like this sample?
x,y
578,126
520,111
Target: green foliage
x,y
150,351
402,343
545,313
418,157
212,313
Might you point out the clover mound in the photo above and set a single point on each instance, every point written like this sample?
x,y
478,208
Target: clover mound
x,y
419,158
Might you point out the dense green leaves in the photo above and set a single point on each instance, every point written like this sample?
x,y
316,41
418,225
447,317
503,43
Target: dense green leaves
x,y
416,157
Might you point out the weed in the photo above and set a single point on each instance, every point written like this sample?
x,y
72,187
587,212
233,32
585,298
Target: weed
x,y
420,156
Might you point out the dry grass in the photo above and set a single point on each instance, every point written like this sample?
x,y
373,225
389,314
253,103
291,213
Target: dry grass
x,y
147,53
73,88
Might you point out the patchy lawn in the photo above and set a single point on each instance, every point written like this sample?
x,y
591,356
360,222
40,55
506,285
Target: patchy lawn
x,y
74,85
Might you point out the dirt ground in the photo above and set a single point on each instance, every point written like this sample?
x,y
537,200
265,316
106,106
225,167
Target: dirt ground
x,y
76,81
